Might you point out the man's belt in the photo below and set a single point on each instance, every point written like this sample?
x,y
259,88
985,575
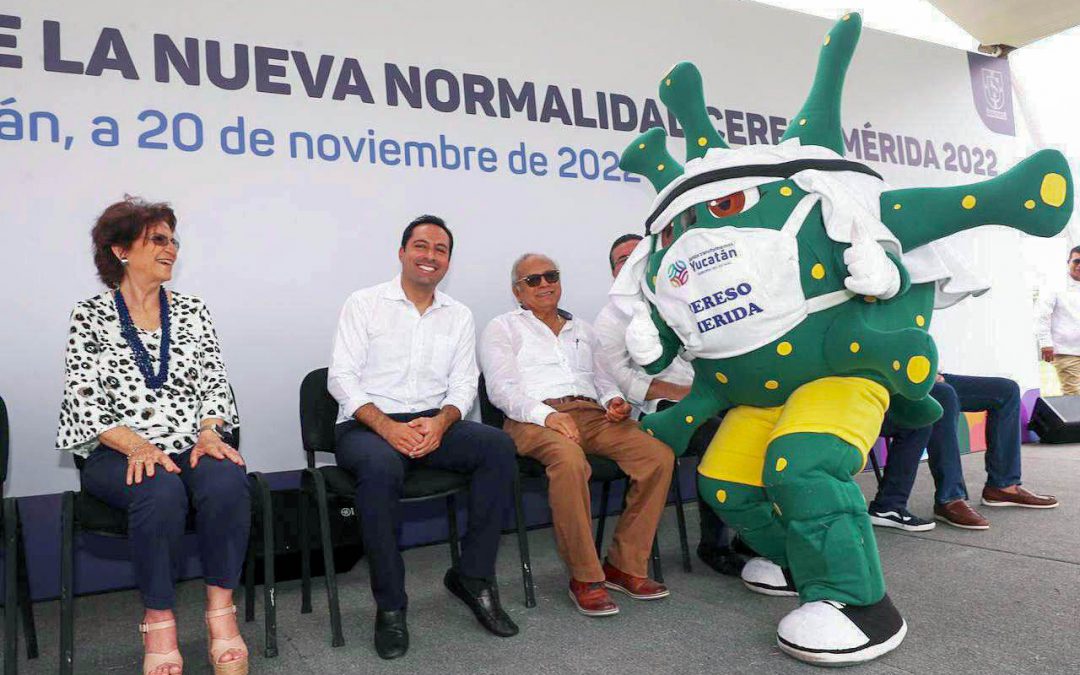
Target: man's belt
x,y
569,399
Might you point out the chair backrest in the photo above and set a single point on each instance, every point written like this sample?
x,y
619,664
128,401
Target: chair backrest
x,y
318,413
3,445
489,414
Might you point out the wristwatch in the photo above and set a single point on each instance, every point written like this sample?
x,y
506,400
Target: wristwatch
x,y
216,428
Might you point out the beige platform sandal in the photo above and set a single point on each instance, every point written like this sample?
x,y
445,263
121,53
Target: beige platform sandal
x,y
153,660
218,646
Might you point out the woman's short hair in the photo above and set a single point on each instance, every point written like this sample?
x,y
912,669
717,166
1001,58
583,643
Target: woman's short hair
x,y
121,224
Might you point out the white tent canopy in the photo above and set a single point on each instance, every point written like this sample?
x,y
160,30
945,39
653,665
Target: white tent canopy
x,y
1011,22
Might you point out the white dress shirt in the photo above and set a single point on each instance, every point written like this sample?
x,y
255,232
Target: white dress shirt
x,y
525,363
387,353
1058,318
610,328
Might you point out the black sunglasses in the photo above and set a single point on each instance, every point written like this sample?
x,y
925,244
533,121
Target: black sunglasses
x,y
533,280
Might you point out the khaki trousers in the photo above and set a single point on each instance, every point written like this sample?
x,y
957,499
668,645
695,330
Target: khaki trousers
x,y
1068,370
647,462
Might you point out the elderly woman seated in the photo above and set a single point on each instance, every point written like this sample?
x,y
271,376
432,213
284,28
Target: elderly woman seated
x,y
147,406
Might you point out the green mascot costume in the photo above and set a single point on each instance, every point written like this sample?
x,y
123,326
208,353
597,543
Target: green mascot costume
x,y
799,286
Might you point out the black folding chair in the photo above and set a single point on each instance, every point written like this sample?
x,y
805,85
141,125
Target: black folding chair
x,y
81,512
603,470
16,577
318,414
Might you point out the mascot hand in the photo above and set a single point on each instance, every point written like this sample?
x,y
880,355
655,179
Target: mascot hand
x,y
871,270
642,337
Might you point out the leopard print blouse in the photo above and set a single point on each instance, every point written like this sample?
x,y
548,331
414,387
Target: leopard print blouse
x,y
104,389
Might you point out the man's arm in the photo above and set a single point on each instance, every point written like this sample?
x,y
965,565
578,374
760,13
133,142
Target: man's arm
x,y
611,338
499,362
349,357
1043,321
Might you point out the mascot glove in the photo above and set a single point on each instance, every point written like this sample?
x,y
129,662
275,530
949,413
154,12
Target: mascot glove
x,y
642,336
872,271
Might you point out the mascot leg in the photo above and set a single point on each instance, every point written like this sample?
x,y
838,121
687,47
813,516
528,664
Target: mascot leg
x,y
815,451
729,479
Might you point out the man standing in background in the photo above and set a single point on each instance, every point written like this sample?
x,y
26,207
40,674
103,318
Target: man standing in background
x,y
1058,327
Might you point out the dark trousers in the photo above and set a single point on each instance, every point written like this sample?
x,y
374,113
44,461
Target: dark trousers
x,y
157,512
998,396
486,453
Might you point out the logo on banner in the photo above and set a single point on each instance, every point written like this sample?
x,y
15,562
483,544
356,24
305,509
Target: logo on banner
x,y
994,90
991,91
678,273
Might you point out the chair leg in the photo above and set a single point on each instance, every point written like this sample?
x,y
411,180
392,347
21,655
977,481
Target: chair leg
x,y
605,495
680,518
337,639
451,516
305,547
29,626
67,582
657,569
266,510
523,544
11,606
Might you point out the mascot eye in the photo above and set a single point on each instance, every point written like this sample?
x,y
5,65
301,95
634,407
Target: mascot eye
x,y
732,204
667,234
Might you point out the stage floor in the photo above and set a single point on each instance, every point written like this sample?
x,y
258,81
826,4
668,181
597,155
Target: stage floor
x,y
1002,600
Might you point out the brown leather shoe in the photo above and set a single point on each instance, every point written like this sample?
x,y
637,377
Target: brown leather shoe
x,y
638,588
992,496
958,514
592,599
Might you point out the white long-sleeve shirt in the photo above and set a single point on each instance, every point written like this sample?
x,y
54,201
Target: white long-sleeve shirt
x,y
1057,319
525,363
387,353
610,328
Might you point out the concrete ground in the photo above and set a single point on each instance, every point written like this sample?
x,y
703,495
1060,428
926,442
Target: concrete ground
x,y
1006,600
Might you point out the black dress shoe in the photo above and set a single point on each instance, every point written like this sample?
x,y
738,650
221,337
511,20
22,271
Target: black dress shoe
x,y
721,559
391,634
484,603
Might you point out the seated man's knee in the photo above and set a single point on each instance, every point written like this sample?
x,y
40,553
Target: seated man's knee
x,y
946,396
568,464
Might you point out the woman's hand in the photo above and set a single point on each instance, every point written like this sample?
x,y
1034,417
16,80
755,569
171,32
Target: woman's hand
x,y
210,443
144,459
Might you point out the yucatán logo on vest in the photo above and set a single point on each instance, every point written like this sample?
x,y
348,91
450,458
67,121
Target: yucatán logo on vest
x,y
726,311
677,273
714,258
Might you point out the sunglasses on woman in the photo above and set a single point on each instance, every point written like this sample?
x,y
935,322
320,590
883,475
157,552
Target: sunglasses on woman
x,y
158,239
533,280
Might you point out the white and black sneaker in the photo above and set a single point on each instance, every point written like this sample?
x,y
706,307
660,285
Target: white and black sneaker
x,y
762,575
830,633
901,519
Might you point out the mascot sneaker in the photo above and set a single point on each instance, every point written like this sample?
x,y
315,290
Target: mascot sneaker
x,y
762,575
831,633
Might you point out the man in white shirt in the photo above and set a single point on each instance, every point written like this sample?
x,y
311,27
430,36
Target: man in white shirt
x,y
1058,325
404,373
560,403
645,391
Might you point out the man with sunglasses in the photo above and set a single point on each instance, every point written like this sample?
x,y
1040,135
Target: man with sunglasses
x,y
404,373
650,393
1058,326
543,371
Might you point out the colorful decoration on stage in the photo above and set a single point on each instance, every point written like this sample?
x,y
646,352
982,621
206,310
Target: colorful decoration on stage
x,y
783,272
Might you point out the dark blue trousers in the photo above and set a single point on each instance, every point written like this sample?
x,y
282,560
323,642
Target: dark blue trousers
x,y
485,453
998,396
157,512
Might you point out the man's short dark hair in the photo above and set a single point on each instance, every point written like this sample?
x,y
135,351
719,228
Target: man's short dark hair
x,y
427,219
619,242
1075,250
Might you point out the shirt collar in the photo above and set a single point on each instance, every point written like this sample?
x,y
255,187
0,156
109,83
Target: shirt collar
x,y
561,312
394,291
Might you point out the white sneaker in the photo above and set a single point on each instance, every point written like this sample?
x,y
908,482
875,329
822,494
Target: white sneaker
x,y
831,633
762,575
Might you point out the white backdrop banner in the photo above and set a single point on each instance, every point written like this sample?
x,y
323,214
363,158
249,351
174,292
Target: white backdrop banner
x,y
296,141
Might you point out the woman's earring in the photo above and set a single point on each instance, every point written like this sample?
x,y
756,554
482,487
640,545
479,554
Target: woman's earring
x,y
123,261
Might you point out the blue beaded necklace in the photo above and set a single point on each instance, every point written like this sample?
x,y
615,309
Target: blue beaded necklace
x,y
142,358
